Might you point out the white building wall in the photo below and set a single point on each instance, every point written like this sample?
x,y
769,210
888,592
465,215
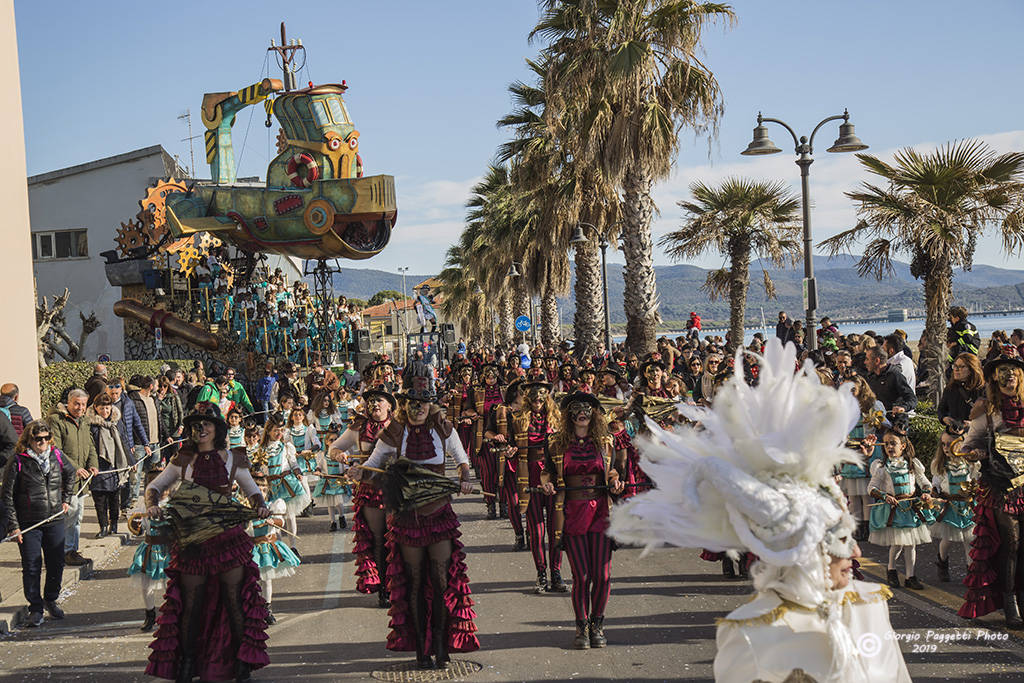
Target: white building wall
x,y
98,198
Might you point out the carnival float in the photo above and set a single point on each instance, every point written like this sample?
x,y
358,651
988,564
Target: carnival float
x,y
183,286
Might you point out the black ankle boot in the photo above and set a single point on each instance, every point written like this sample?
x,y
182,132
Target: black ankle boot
x,y
1011,611
582,639
520,543
557,584
597,638
943,565
542,581
728,568
441,659
382,598
150,621
491,513
892,577
186,669
242,672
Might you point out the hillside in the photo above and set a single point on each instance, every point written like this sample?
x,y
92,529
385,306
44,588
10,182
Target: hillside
x,y
841,292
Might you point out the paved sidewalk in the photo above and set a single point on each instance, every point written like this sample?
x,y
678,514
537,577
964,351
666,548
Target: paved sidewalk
x,y
12,597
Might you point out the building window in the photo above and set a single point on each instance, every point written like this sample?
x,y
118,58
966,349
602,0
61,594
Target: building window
x,y
60,244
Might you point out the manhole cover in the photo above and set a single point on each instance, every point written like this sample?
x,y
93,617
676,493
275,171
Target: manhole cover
x,y
406,672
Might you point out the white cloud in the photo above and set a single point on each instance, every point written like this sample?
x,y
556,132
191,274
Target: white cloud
x,y
831,176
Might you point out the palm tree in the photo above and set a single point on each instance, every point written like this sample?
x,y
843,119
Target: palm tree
x,y
463,300
626,75
932,208
739,219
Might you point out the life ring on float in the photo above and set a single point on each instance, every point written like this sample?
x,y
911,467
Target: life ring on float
x,y
302,170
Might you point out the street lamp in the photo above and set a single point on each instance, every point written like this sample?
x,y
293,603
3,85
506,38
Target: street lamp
x,y
405,321
580,237
846,142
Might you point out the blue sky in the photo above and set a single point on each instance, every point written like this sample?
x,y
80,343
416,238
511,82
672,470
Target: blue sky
x,y
427,81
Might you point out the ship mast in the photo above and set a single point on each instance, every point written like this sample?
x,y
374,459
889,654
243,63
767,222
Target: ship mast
x,y
286,57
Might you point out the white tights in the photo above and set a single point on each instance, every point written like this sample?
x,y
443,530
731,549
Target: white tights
x,y
944,550
336,511
267,586
909,558
291,525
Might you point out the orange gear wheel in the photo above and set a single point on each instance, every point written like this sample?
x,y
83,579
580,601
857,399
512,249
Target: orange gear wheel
x,y
129,236
155,203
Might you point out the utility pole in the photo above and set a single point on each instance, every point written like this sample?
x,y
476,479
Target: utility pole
x,y
405,320
286,54
191,151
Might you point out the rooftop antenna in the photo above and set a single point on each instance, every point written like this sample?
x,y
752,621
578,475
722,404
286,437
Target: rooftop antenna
x,y
191,151
286,57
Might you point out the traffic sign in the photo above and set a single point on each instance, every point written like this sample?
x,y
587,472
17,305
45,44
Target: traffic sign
x,y
523,323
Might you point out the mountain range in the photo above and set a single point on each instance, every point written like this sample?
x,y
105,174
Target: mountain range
x,y
841,291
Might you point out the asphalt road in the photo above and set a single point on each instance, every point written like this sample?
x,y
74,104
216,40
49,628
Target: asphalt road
x,y
660,621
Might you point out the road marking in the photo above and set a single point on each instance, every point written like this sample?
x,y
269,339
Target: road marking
x,y
336,573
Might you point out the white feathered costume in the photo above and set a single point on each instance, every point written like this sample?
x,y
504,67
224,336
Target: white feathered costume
x,y
758,476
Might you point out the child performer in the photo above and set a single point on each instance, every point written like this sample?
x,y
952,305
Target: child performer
x,y
331,491
900,521
151,557
952,485
855,478
236,433
271,554
303,437
283,472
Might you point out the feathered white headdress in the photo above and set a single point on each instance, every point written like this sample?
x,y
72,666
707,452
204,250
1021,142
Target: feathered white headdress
x,y
757,474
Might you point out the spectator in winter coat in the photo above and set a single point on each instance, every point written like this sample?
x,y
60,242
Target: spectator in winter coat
x,y
265,393
898,360
888,383
8,439
962,336
97,384
171,414
19,415
38,483
133,436
111,455
71,436
140,391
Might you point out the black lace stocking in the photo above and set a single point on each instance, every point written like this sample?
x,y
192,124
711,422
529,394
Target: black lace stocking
x,y
193,593
231,588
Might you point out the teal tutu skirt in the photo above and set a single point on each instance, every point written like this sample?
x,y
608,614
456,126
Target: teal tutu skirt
x,y
275,559
150,560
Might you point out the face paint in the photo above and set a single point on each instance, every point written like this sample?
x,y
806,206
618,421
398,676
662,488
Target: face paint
x,y
538,393
652,372
1006,376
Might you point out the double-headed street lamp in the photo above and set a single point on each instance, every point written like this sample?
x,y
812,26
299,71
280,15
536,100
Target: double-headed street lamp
x,y
846,142
580,237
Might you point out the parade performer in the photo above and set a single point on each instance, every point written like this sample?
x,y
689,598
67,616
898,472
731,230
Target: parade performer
x,y
431,608
283,471
462,409
534,424
151,557
271,554
486,396
627,459
900,520
582,478
863,437
303,437
369,522
995,578
213,620
500,435
331,490
652,379
953,484
758,476
565,381
236,432
610,378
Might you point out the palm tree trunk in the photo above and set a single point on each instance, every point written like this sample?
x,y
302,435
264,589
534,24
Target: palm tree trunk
x,y
587,292
521,305
739,281
938,293
550,329
505,319
641,292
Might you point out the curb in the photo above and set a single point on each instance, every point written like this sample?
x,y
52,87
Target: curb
x,y
13,606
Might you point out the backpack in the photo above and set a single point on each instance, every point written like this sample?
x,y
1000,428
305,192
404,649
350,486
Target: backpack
x,y
263,388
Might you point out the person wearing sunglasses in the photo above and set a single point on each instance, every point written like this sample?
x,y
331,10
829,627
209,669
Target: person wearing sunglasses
x,y
425,537
581,479
38,483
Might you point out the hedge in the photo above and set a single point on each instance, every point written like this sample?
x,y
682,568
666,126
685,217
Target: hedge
x,y
924,432
56,377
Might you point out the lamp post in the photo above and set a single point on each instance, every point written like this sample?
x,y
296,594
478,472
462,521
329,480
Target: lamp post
x,y
846,142
579,237
405,321
513,273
